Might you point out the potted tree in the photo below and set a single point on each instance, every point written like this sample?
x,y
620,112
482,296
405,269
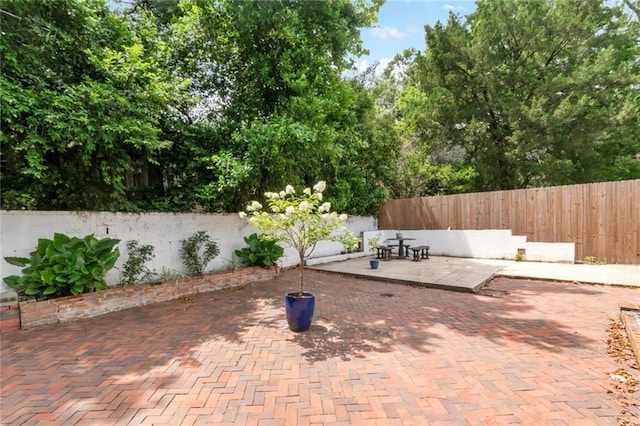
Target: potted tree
x,y
374,243
300,220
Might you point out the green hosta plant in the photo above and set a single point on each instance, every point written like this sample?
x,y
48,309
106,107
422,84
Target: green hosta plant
x,y
300,220
260,251
64,266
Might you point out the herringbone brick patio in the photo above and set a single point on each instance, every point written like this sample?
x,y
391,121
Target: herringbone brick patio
x,y
377,353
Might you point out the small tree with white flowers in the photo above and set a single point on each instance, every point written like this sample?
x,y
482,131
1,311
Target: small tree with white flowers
x,y
300,220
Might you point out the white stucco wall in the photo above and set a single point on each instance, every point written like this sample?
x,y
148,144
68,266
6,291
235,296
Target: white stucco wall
x,y
550,252
20,231
483,244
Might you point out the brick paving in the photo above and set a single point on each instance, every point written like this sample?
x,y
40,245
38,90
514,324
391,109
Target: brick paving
x,y
377,353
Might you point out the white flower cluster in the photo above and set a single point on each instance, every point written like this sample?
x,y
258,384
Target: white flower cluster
x,y
304,206
324,207
333,216
320,186
254,206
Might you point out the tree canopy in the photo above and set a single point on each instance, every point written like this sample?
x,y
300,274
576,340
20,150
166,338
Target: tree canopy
x,y
528,93
191,105
83,93
198,105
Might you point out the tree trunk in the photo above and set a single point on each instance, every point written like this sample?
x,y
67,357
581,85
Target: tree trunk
x,y
301,273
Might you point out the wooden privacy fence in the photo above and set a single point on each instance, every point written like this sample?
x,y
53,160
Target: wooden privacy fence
x,y
602,219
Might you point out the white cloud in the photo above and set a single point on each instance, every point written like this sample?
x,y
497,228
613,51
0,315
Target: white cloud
x,y
362,66
380,66
452,7
388,32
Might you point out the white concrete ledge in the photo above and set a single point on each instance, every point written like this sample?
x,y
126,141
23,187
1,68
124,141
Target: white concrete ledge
x,y
479,244
334,258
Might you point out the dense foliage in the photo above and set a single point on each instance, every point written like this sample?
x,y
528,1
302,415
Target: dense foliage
x,y
83,94
521,94
64,266
197,105
190,105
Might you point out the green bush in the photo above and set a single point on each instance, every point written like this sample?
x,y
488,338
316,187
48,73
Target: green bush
x,y
64,266
134,269
260,251
197,251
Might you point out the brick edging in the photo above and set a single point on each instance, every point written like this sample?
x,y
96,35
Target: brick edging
x,y
631,326
87,305
9,315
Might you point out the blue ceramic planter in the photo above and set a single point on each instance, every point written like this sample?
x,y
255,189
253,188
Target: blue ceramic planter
x,y
374,264
299,309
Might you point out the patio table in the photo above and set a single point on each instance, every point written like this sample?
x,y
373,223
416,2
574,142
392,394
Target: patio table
x,y
401,249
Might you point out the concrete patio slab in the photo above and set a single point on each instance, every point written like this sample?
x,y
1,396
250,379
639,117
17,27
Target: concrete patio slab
x,y
618,275
469,275
449,273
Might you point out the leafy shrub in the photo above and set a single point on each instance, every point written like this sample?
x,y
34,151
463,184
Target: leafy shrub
x,y
134,270
260,251
197,251
64,266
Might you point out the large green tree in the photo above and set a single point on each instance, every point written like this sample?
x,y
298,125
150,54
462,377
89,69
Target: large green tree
x,y
530,93
183,105
268,76
421,168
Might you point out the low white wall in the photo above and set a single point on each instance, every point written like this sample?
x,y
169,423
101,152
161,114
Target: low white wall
x,y
550,252
20,231
483,244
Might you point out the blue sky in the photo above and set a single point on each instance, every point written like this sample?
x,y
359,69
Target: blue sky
x,y
401,25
